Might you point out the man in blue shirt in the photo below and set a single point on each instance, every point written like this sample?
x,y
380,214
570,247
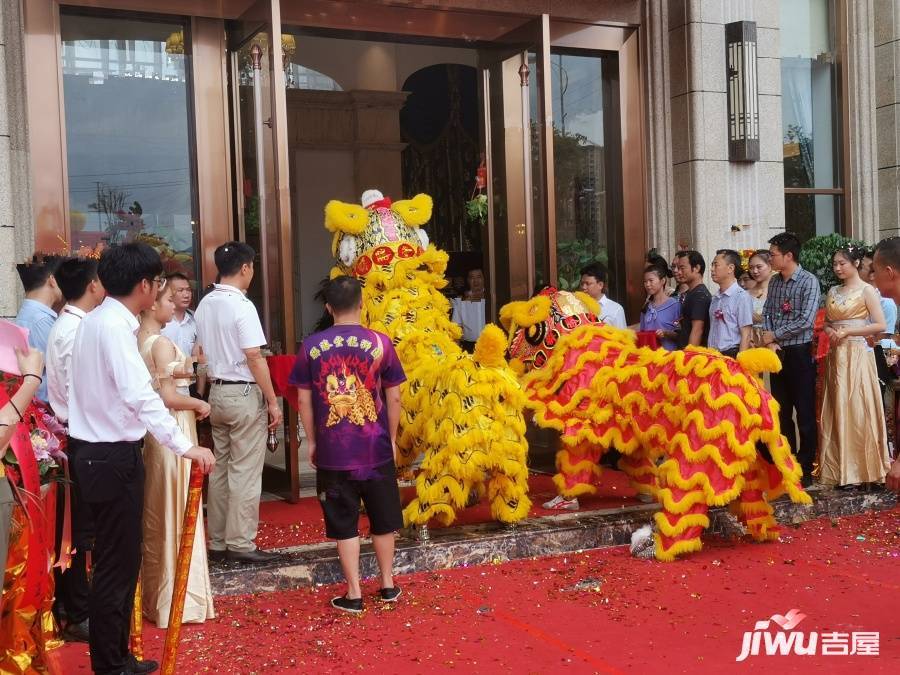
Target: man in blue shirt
x,y
42,294
731,309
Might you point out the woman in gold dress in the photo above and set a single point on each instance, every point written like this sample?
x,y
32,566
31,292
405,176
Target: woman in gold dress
x,y
167,478
853,439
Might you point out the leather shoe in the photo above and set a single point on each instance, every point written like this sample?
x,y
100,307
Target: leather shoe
x,y
76,632
136,666
255,556
215,556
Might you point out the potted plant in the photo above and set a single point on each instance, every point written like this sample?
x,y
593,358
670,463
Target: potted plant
x,y
572,256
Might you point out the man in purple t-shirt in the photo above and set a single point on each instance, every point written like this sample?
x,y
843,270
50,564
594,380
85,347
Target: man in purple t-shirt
x,y
349,380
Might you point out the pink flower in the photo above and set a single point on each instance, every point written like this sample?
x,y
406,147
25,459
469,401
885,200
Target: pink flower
x,y
719,314
52,424
787,307
40,443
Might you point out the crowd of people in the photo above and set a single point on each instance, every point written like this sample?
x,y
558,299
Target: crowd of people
x,y
120,359
774,303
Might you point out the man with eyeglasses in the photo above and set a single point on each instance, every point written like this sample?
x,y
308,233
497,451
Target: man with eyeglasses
x,y
789,315
112,406
182,329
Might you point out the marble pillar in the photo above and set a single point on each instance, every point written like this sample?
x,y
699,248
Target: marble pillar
x,y
862,182
886,34
661,202
722,204
16,230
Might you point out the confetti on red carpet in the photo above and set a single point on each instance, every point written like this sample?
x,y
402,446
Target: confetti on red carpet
x,y
282,524
597,611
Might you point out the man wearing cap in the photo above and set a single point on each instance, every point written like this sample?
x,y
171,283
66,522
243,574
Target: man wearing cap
x,y
242,401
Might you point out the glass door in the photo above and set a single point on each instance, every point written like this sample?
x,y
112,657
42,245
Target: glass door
x,y
261,163
587,159
262,194
518,145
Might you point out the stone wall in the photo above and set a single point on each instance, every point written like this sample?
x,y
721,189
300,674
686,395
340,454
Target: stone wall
x,y
887,114
16,234
712,194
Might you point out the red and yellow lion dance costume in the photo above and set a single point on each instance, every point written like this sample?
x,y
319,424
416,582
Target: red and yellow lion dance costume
x,y
698,413
694,426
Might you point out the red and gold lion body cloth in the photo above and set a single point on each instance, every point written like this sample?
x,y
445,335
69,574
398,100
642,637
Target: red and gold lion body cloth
x,y
696,429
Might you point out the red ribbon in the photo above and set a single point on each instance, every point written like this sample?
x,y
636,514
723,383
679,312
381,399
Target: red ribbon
x,y
41,513
35,564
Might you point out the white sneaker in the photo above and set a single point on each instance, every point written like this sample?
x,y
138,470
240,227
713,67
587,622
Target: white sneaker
x,y
560,503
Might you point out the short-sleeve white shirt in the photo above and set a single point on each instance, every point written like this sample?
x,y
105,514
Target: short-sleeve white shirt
x,y
227,324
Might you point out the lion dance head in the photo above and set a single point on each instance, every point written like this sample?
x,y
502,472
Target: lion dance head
x,y
378,233
535,326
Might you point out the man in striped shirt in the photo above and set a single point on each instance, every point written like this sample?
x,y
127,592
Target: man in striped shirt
x,y
788,316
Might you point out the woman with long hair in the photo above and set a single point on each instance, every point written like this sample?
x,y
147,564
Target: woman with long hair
x,y
853,436
168,476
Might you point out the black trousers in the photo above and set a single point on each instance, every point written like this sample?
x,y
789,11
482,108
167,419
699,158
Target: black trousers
x,y
795,390
111,479
72,585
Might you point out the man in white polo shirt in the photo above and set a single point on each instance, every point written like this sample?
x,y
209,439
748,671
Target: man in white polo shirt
x,y
242,400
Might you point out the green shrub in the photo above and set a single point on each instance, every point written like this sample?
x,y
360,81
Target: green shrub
x,y
572,256
816,256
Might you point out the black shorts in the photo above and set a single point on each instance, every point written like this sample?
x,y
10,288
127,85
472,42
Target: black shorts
x,y
339,497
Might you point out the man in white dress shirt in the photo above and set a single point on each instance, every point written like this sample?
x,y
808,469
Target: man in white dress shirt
x,y
242,400
77,279
593,282
112,405
182,329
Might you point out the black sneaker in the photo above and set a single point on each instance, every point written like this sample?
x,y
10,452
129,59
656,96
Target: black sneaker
x,y
389,594
345,604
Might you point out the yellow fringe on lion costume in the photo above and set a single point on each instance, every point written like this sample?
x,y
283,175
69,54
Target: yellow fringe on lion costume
x,y
461,412
696,429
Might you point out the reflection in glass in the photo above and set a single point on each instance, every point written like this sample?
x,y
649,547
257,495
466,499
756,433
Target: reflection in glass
x,y
257,200
809,111
810,215
585,153
538,194
126,88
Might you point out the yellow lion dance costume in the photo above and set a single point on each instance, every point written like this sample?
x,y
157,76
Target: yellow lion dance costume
x,y
462,412
693,425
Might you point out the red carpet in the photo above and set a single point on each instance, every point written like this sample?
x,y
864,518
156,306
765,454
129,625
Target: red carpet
x,y
598,611
282,524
